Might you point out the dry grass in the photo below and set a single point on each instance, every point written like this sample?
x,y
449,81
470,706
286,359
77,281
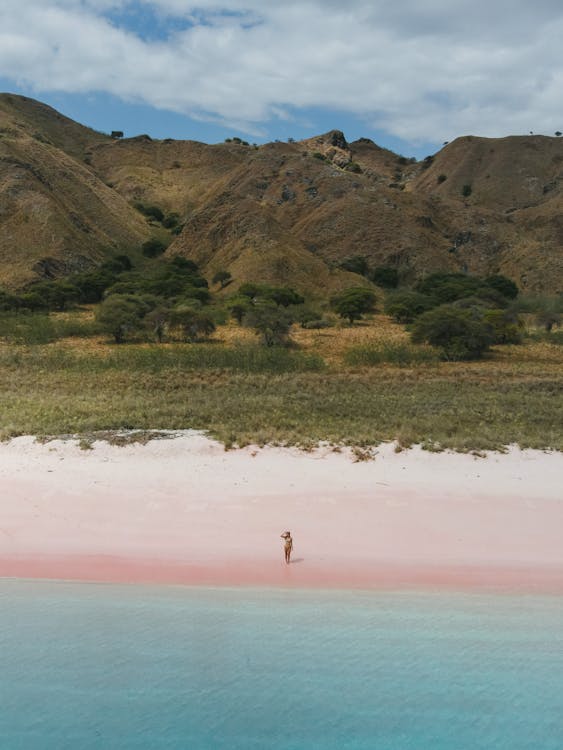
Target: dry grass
x,y
243,393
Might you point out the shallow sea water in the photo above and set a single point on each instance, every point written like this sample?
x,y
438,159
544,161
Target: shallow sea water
x,y
106,666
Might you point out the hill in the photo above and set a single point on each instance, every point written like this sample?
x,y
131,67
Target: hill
x,y
281,212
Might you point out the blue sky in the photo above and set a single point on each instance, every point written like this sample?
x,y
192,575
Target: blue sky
x,y
409,75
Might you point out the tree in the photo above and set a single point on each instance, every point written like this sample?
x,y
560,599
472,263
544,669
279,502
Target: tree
x,y
405,306
352,303
153,248
503,285
505,326
119,315
281,295
448,287
193,324
156,321
238,307
385,276
356,264
460,333
222,277
272,322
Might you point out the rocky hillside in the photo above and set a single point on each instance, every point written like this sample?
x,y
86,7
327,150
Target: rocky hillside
x,y
282,212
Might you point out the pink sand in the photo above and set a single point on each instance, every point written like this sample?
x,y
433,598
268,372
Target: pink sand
x,y
184,510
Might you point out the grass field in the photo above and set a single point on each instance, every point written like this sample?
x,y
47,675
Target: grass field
x,y
357,385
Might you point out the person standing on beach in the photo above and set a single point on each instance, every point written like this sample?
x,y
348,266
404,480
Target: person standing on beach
x,y
288,545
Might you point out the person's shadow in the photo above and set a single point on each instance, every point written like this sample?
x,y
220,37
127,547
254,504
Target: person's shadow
x,y
297,560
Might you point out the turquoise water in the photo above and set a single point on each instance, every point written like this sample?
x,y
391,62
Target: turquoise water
x,y
99,666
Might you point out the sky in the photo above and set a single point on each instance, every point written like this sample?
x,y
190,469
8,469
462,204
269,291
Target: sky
x,y
409,74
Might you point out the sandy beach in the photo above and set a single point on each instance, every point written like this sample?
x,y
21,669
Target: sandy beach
x,y
184,510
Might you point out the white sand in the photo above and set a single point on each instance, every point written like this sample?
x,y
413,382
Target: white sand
x,y
184,509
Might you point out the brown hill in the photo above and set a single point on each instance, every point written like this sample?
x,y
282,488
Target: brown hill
x,y
56,216
282,212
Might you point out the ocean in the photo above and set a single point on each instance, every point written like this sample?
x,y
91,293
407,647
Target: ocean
x,y
86,666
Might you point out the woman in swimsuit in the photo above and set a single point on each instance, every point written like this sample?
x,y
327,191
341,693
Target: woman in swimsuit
x,y
288,545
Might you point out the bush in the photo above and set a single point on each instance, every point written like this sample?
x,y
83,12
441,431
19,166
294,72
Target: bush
x,y
466,191
385,276
238,307
505,328
152,212
194,325
153,248
405,306
460,334
272,322
449,287
171,221
9,301
353,303
502,284
356,264
120,315
281,295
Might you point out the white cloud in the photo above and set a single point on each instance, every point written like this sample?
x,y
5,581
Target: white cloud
x,y
422,71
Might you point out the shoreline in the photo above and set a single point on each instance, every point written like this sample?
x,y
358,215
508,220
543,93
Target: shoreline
x,y
123,571
185,511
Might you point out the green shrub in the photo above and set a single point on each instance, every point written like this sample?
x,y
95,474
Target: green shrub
x,y
281,295
120,316
270,321
505,328
385,276
449,287
356,264
353,303
405,306
171,221
152,212
466,191
153,248
502,284
9,301
460,334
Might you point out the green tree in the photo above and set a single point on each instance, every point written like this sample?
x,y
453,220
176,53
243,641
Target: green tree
x,y
356,264
405,306
353,303
156,322
120,315
193,324
459,333
505,326
503,285
238,307
385,276
270,321
153,248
